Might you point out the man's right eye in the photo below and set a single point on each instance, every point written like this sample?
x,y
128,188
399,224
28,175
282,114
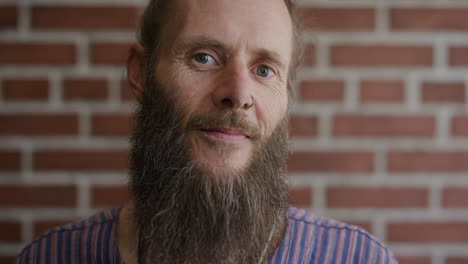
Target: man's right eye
x,y
204,58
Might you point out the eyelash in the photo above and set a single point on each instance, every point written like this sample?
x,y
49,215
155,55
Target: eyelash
x,y
200,66
194,57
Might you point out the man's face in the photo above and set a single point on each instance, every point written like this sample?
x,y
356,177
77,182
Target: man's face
x,y
208,172
216,59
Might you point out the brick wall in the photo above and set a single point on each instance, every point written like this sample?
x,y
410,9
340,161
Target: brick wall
x,y
379,129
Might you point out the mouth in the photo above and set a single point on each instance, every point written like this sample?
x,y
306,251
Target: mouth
x,y
228,135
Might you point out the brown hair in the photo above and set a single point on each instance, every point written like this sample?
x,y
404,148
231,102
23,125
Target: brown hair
x,y
155,16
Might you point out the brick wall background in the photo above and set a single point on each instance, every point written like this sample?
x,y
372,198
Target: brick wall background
x,y
379,129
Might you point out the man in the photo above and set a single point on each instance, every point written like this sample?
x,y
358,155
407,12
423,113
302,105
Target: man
x,y
209,150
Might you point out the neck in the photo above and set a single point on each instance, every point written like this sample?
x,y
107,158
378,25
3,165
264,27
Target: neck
x,y
127,234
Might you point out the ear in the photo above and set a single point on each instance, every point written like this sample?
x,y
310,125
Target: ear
x,y
136,70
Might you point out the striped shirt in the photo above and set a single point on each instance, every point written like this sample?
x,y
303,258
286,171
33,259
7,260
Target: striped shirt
x,y
308,239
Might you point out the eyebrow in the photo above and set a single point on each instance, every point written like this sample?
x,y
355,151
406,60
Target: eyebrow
x,y
206,42
272,56
197,42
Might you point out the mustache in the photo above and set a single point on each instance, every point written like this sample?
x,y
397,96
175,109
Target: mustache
x,y
226,119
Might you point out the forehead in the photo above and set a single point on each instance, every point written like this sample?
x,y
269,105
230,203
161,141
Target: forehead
x,y
246,24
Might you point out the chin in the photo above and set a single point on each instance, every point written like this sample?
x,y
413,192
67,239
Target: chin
x,y
221,160
230,164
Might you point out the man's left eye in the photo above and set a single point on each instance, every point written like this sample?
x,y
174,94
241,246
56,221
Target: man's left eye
x,y
264,71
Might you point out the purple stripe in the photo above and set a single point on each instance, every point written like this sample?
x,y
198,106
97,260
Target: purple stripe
x,y
297,244
352,245
339,245
308,239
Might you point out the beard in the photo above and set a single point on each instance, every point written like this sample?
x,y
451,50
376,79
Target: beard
x,y
184,213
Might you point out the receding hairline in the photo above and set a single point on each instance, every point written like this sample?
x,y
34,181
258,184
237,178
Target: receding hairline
x,y
176,7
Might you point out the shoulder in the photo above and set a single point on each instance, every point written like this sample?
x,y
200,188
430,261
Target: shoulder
x,y
73,243
324,240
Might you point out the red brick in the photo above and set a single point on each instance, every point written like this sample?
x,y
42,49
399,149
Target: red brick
x,y
427,161
11,231
10,160
362,224
460,126
428,232
377,197
456,260
414,260
309,55
300,197
338,19
429,19
344,162
37,196
80,89
109,53
84,18
111,124
38,124
126,93
322,90
303,126
383,126
381,55
458,56
81,160
382,91
109,196
8,17
37,53
8,259
30,89
43,226
453,197
438,92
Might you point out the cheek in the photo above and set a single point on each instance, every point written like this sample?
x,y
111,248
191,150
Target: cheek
x,y
177,79
271,111
194,89
189,88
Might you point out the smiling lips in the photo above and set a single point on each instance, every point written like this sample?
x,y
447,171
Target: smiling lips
x,y
226,134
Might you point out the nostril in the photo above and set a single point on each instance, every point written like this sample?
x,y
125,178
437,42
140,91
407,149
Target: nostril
x,y
228,102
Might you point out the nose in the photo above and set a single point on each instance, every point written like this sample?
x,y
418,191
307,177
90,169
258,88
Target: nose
x,y
235,90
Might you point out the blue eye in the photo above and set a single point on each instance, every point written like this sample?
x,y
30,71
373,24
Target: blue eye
x,y
263,71
203,58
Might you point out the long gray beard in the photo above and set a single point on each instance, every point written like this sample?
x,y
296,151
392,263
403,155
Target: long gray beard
x,y
186,215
